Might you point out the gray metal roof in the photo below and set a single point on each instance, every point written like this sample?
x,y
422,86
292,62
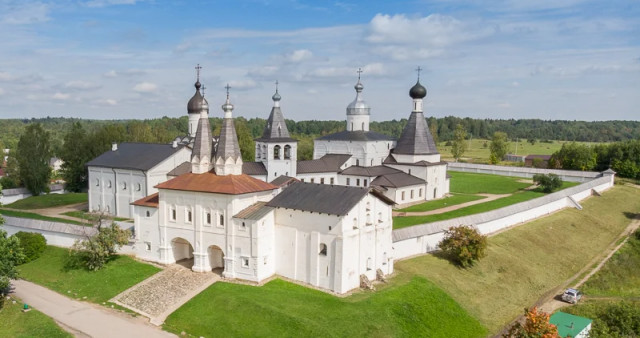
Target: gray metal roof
x,y
357,135
283,179
440,226
327,163
202,145
183,168
254,212
228,143
197,103
253,168
358,106
369,171
137,156
416,138
322,198
276,128
397,180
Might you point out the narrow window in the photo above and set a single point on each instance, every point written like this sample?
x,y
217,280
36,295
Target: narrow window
x,y
411,193
327,270
348,181
221,220
138,187
124,185
276,152
245,262
313,180
331,180
287,152
322,180
189,214
323,249
364,182
173,213
302,180
357,182
420,192
403,195
357,162
97,182
148,213
243,226
209,218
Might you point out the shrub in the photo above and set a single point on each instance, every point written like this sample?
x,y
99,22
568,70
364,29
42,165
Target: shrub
x,y
33,244
548,183
536,324
464,245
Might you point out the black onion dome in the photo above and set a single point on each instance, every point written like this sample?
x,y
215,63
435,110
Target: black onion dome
x,y
197,103
418,91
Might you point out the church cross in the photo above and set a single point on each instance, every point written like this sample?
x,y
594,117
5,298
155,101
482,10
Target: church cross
x,y
198,71
359,71
419,69
227,87
276,86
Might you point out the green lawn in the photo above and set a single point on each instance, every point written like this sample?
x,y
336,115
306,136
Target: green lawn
x,y
48,201
410,307
520,196
98,286
620,276
530,260
471,183
32,215
455,199
15,323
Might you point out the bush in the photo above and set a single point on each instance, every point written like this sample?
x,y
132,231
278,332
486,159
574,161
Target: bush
x,y
33,244
95,251
548,183
464,245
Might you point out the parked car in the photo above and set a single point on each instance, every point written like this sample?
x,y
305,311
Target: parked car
x,y
571,296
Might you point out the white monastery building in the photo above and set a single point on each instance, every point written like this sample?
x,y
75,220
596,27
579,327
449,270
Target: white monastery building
x,y
325,222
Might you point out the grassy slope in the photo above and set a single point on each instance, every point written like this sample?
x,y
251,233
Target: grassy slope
x,y
529,260
620,276
98,286
410,308
442,203
48,201
32,215
15,323
520,196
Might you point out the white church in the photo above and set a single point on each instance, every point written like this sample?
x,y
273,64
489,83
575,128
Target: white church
x,y
324,222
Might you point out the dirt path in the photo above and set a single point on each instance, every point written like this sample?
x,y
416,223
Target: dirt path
x,y
58,211
489,198
551,300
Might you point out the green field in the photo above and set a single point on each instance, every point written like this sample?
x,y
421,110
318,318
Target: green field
x,y
14,323
32,215
409,307
477,153
48,201
455,199
528,261
50,270
520,196
471,183
620,276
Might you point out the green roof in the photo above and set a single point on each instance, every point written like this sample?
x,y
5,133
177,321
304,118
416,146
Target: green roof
x,y
569,324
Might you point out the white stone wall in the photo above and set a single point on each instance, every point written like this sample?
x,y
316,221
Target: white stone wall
x,y
357,122
364,153
319,177
565,175
53,238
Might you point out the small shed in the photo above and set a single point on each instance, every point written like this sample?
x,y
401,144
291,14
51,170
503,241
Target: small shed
x,y
571,325
537,161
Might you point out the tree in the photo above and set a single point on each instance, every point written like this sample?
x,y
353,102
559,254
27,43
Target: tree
x,y
459,145
498,147
95,251
536,324
574,156
548,182
75,154
10,256
464,245
33,161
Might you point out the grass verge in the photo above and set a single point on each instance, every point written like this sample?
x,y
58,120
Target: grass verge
x,y
410,307
521,196
50,271
15,323
527,261
472,183
48,201
455,199
31,215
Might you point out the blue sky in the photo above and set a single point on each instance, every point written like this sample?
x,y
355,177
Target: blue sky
x,y
104,59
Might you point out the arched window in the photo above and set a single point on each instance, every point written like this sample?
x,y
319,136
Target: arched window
x,y
138,187
323,249
148,213
264,151
287,152
420,192
357,161
276,152
258,151
221,220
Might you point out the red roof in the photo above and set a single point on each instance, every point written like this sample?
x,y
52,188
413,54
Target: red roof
x,y
149,201
210,182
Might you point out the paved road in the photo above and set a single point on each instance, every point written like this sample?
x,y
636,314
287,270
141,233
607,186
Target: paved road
x,y
82,318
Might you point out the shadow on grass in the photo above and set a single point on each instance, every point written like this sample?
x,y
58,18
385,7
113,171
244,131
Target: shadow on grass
x,y
78,261
441,255
631,215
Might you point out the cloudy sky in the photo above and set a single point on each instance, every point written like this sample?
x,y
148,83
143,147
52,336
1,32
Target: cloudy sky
x,y
105,59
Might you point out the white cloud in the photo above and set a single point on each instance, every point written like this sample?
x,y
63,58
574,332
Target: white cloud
x,y
60,96
107,102
504,105
129,72
181,48
145,87
243,84
1,91
299,55
105,3
111,73
24,12
81,85
265,71
4,76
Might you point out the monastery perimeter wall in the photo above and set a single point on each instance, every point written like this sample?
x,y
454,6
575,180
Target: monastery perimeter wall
x,y
424,238
565,175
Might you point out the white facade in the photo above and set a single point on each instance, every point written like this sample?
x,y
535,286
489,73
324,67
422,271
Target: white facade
x,y
113,189
364,153
279,158
437,183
